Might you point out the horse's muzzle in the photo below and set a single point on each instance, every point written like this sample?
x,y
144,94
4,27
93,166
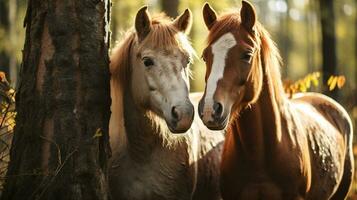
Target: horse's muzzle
x,y
181,118
214,116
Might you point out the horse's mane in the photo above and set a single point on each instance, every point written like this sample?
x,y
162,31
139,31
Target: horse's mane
x,y
163,34
271,58
271,63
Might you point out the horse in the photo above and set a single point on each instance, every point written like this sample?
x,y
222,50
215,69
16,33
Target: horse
x,y
276,147
158,150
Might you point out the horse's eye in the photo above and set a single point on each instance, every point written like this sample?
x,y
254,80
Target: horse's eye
x,y
204,59
247,56
204,54
189,61
148,61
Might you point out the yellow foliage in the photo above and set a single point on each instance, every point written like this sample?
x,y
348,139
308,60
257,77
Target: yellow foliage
x,y
304,84
334,81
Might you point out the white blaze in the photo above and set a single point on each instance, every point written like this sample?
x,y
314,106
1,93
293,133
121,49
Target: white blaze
x,y
220,49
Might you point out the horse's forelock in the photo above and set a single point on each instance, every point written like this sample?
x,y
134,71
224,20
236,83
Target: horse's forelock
x,y
165,35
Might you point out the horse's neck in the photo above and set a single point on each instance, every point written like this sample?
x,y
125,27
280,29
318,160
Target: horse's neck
x,y
142,132
259,126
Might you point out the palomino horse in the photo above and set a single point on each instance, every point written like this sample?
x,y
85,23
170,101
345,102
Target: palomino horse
x,y
275,148
150,102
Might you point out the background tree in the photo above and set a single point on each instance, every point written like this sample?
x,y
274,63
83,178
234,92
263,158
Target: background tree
x,y
170,7
10,37
4,27
329,57
60,146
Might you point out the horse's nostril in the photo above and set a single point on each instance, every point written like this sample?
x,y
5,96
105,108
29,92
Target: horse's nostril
x,y
175,114
218,109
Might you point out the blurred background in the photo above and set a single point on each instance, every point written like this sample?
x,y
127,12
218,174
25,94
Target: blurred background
x,y
312,35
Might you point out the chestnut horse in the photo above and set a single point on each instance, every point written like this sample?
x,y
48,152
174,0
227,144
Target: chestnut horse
x,y
275,148
150,102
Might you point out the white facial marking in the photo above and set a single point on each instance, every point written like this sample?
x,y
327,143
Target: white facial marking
x,y
220,49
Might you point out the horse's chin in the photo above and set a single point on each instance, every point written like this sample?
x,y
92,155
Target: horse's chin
x,y
218,125
176,130
179,128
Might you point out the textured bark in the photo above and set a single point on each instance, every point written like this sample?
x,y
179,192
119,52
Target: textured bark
x,y
170,7
60,146
329,57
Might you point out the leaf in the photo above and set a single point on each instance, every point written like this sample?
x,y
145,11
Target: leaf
x,y
333,82
308,82
2,76
302,88
98,133
316,75
315,81
341,81
329,81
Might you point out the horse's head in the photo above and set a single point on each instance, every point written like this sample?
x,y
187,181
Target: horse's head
x,y
161,55
233,78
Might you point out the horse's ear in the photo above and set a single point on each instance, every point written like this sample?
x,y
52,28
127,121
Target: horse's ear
x,y
209,15
142,23
184,21
247,15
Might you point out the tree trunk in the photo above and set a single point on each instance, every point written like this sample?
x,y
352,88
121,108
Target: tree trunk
x,y
170,7
314,37
60,146
329,57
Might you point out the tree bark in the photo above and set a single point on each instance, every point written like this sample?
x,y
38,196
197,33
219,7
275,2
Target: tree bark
x,y
329,57
170,7
60,146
